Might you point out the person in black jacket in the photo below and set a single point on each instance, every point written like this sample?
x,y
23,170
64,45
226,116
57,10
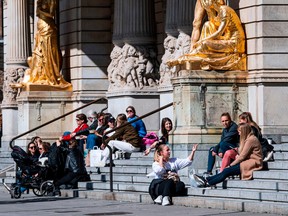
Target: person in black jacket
x,y
74,166
229,139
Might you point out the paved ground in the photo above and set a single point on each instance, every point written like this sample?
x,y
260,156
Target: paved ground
x,y
30,205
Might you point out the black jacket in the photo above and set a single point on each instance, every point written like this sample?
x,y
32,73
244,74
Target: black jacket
x,y
75,161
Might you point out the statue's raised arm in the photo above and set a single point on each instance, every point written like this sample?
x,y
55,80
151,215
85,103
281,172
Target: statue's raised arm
x,y
221,45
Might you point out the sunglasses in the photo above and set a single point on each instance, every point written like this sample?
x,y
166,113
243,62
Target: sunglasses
x,y
101,119
32,147
128,111
40,148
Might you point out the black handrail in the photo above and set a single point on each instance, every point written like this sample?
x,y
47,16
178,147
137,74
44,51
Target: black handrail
x,y
125,124
62,116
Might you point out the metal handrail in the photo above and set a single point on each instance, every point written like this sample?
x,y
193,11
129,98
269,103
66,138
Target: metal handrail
x,y
62,116
121,126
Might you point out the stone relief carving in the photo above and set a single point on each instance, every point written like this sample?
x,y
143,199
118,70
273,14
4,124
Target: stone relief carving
x,y
216,105
174,48
133,67
12,76
166,73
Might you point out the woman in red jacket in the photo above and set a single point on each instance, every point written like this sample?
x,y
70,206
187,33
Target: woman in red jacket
x,y
81,120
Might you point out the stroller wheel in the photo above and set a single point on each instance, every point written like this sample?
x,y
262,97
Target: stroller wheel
x,y
47,188
15,192
37,192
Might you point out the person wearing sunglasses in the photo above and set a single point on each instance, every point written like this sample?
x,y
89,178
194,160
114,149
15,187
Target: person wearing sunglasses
x,y
44,149
125,139
138,125
81,120
33,151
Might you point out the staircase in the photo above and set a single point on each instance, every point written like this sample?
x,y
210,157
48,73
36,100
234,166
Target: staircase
x,y
267,193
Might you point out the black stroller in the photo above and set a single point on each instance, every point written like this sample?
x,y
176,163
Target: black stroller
x,y
30,174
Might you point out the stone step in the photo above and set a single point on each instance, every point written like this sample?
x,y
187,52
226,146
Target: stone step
x,y
281,147
233,193
189,201
136,187
122,169
247,194
271,174
283,156
278,165
133,162
279,185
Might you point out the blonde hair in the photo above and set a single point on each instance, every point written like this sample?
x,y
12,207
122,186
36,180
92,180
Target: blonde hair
x,y
245,132
159,148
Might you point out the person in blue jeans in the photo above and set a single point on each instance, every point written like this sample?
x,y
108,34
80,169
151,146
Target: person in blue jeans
x,y
229,140
248,160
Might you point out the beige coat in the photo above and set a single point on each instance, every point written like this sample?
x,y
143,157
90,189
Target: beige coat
x,y
250,158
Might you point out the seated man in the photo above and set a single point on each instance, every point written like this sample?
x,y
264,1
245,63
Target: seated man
x,y
229,139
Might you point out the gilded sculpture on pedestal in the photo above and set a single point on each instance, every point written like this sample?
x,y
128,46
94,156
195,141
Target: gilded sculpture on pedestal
x,y
46,60
222,41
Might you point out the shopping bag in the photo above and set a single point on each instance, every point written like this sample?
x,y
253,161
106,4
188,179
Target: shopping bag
x,y
96,157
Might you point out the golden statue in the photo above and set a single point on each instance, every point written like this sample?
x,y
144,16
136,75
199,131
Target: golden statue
x,y
46,61
222,42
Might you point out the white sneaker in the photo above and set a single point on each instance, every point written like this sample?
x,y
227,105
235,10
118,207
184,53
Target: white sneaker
x,y
166,201
268,157
158,200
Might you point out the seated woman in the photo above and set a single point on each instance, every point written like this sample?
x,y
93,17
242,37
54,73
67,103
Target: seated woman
x,y
248,160
166,127
138,125
222,42
167,183
33,151
44,149
127,138
81,120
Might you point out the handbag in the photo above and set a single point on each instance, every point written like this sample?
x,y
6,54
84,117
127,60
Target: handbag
x,y
96,157
174,176
149,139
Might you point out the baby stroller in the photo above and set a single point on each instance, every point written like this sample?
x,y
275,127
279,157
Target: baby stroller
x,y
30,174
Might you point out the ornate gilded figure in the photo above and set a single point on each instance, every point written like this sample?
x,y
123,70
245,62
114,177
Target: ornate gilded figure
x,y
222,41
46,61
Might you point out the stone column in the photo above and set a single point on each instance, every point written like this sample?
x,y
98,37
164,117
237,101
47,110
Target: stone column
x,y
118,23
18,50
178,27
134,69
267,64
139,22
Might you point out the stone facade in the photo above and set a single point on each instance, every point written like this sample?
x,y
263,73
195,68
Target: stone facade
x,y
118,49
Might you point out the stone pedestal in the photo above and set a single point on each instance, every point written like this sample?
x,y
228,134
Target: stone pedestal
x,y
166,97
38,107
200,97
143,101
